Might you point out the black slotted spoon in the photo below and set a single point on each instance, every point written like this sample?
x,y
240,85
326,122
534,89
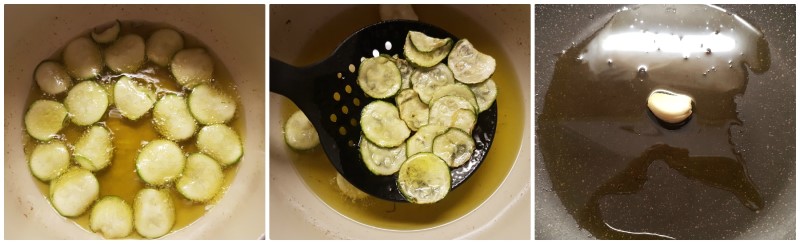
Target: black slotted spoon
x,y
333,104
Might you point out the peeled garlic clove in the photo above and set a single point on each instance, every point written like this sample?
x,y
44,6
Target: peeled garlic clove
x,y
670,107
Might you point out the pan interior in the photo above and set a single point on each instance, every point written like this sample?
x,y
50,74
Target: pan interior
x,y
621,173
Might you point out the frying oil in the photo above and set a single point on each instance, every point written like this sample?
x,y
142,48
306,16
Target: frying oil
x,y
319,175
120,178
620,172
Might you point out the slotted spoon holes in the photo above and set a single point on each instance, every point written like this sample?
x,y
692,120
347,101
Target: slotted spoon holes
x,y
340,109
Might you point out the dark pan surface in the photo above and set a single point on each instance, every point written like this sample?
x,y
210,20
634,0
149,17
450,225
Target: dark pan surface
x,y
739,183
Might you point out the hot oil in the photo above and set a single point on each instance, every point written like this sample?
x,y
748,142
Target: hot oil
x,y
319,175
120,178
617,170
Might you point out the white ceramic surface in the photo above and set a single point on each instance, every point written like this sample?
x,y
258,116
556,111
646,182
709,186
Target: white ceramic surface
x,y
297,213
234,33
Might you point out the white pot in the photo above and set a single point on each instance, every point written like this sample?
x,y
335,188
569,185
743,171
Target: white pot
x,y
297,213
34,32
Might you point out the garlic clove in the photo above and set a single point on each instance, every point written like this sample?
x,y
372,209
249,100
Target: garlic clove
x,y
669,106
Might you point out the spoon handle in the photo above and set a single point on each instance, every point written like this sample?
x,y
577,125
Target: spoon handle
x,y
298,84
287,80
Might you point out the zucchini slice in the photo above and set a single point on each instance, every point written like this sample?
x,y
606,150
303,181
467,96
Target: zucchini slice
x,y
49,160
422,141
112,217
94,149
425,43
424,178
153,213
126,54
379,77
299,133
74,191
485,93
87,103
425,59
133,99
83,59
210,105
44,119
454,147
162,45
108,35
405,72
52,78
468,64
381,160
160,162
382,125
221,143
172,118
109,87
459,90
192,67
464,119
412,110
201,179
426,81
349,190
453,111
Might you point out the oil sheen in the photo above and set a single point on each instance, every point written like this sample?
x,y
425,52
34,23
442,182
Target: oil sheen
x,y
120,178
319,175
616,169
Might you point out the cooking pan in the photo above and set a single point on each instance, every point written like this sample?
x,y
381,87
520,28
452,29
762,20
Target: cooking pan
x,y
681,205
235,34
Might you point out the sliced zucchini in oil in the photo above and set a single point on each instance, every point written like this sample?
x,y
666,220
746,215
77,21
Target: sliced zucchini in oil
x,y
425,59
382,160
201,179
73,192
221,143
160,162
172,118
425,43
192,67
299,133
49,160
83,59
112,217
162,45
469,65
94,149
87,102
153,213
485,93
426,81
381,124
379,77
52,77
126,54
424,178
412,110
132,98
107,35
209,105
454,147
44,119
